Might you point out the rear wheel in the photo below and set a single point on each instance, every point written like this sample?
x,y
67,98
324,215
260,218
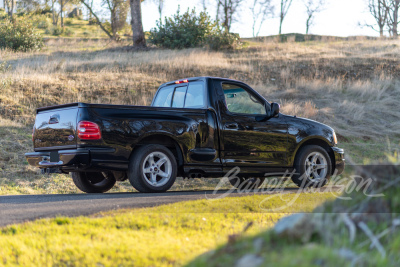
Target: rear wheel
x,y
93,182
152,168
313,167
246,183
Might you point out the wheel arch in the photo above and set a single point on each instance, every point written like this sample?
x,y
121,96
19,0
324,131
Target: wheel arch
x,y
165,140
315,140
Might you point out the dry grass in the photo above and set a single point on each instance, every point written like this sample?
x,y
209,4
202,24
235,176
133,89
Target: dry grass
x,y
353,86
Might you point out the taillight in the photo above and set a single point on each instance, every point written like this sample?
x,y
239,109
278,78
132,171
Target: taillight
x,y
88,131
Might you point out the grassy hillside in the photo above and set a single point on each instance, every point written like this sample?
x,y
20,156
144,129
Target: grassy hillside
x,y
351,85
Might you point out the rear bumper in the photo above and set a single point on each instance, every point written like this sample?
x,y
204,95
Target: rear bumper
x,y
71,159
339,160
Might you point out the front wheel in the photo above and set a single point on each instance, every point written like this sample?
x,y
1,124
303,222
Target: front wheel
x,y
313,167
93,182
152,169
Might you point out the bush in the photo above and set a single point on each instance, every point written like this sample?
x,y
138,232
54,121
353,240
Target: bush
x,y
86,33
223,40
56,31
68,21
192,30
68,32
92,21
44,24
182,31
19,36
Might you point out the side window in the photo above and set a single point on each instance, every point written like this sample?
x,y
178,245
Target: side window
x,y
164,97
238,100
177,96
195,95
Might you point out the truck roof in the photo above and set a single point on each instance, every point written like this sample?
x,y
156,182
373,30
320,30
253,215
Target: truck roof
x,y
199,78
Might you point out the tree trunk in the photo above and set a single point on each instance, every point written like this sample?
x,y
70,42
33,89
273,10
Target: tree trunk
x,y
396,18
54,12
10,8
381,31
137,26
114,22
308,24
61,13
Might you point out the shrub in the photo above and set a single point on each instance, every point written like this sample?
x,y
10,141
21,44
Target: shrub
x,y
223,40
92,21
182,31
192,30
56,31
5,81
68,32
68,21
43,24
19,36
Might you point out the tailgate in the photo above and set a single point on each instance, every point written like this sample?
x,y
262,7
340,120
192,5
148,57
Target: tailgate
x,y
55,128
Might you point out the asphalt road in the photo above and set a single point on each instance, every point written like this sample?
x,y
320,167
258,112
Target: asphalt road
x,y
18,209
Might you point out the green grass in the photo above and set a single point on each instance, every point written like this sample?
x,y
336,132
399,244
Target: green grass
x,y
168,235
323,238
77,28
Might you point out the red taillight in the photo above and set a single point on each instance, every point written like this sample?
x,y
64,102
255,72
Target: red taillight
x,y
183,81
88,131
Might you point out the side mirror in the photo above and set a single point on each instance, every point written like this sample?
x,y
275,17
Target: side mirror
x,y
274,109
273,113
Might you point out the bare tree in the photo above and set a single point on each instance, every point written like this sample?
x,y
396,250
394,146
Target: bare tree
x,y
118,13
285,5
10,5
90,3
380,12
260,10
137,25
54,12
226,12
87,5
393,7
160,6
312,7
204,4
63,3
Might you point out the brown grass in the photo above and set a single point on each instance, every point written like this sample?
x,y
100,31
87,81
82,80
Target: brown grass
x,y
352,86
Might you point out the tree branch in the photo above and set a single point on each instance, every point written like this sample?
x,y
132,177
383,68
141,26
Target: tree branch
x,y
97,19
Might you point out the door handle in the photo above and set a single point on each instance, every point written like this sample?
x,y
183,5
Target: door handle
x,y
231,126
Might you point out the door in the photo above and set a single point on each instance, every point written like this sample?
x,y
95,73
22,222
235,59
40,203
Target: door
x,y
246,141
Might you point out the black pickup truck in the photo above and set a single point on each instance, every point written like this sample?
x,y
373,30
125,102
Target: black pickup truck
x,y
196,127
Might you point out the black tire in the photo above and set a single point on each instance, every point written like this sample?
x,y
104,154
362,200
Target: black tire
x,y
140,161
318,177
246,183
93,182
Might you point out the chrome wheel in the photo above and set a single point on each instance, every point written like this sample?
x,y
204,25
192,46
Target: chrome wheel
x,y
316,166
157,169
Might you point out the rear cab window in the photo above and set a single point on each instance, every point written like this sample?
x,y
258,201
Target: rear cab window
x,y
190,95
